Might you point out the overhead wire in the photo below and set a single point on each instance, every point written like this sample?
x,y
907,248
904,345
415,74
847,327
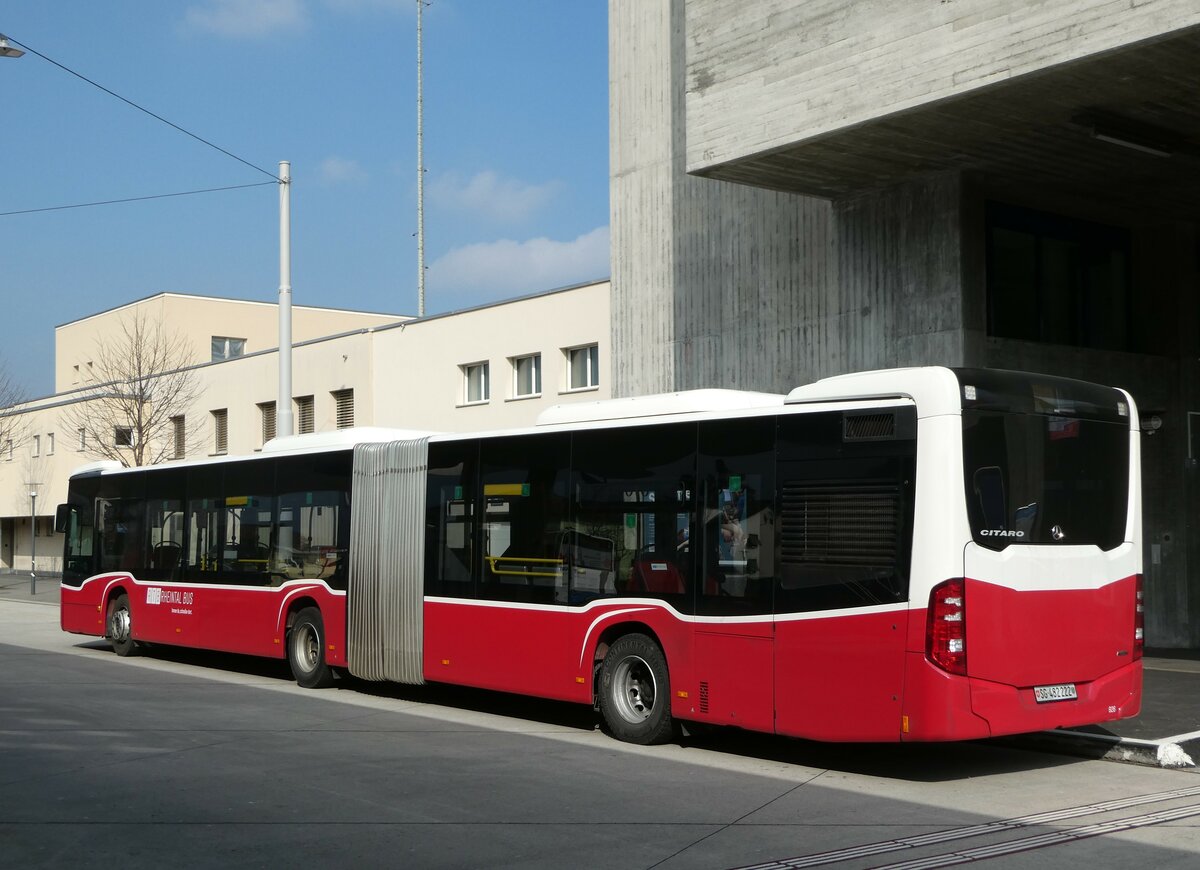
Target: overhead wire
x,y
274,178
135,198
94,84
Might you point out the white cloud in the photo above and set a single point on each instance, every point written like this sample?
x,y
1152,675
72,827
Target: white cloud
x,y
247,18
510,268
489,195
339,170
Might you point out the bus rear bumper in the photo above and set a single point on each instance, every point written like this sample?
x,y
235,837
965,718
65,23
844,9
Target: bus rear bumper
x,y
941,706
1015,710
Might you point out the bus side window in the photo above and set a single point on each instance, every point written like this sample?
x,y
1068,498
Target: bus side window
x,y
79,535
845,512
525,495
164,524
737,469
312,534
307,546
120,532
247,522
450,512
165,528
633,512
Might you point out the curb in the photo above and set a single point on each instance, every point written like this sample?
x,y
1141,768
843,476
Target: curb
x,y
1131,750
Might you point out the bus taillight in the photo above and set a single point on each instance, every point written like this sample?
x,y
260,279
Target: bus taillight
x,y
1139,619
946,631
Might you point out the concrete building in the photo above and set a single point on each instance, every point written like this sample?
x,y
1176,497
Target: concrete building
x,y
201,322
803,189
491,367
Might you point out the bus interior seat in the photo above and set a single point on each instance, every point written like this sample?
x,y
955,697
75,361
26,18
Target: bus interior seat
x,y
655,577
165,555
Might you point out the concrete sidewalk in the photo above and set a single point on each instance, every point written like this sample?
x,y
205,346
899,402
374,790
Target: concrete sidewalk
x,y
1166,734
14,586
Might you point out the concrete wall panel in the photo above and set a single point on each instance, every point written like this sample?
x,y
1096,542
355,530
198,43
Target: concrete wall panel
x,y
763,74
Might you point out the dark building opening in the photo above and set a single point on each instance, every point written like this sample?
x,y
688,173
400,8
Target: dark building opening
x,y
1058,280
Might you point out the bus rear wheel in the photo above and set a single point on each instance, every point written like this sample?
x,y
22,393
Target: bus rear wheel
x,y
306,650
120,626
635,691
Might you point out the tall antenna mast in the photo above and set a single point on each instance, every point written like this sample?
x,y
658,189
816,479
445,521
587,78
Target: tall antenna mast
x,y
420,173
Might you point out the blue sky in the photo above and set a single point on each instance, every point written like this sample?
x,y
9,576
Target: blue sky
x,y
516,154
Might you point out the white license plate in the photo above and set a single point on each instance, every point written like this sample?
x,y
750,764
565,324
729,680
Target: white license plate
x,y
1062,692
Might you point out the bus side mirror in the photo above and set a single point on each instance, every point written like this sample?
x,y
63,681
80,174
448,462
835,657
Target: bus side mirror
x,y
62,518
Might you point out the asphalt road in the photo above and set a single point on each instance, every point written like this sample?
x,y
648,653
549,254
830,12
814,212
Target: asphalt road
x,y
197,760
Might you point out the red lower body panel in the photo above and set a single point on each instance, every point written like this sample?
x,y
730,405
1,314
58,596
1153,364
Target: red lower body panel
x,y
250,621
850,676
543,651
841,678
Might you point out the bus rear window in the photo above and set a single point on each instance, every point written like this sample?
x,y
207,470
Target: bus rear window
x,y
1041,479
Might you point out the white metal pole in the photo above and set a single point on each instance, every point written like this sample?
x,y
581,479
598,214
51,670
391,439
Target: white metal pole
x,y
283,404
420,172
33,543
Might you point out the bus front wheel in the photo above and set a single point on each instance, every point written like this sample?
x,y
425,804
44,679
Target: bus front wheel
x,y
120,626
306,650
635,691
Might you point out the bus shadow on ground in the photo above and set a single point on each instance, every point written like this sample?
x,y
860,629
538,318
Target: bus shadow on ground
x,y
219,661
917,762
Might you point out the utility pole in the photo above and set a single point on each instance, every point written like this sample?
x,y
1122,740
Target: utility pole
x,y
283,404
420,171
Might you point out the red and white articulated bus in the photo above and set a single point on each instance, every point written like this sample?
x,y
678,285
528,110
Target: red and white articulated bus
x,y
913,554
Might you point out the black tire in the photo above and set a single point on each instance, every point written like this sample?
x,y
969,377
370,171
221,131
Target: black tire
x,y
635,691
306,650
119,626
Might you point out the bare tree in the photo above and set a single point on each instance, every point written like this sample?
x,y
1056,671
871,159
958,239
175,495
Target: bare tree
x,y
13,421
144,380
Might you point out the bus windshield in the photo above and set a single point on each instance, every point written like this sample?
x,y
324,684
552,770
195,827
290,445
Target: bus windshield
x,y
1039,479
1045,460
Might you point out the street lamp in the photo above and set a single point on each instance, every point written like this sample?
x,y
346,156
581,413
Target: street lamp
x,y
7,50
33,542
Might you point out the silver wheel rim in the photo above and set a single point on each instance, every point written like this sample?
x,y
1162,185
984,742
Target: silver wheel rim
x,y
634,690
306,647
119,624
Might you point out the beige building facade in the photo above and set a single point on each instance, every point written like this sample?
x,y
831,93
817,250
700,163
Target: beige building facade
x,y
212,329
495,366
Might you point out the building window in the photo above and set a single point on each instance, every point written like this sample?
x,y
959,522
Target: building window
x,y
122,436
583,367
8,449
224,347
527,375
344,402
1057,280
37,445
477,387
178,437
76,380
221,430
50,444
82,433
266,412
304,415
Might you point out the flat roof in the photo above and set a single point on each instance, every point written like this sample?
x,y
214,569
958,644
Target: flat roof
x,y
204,298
